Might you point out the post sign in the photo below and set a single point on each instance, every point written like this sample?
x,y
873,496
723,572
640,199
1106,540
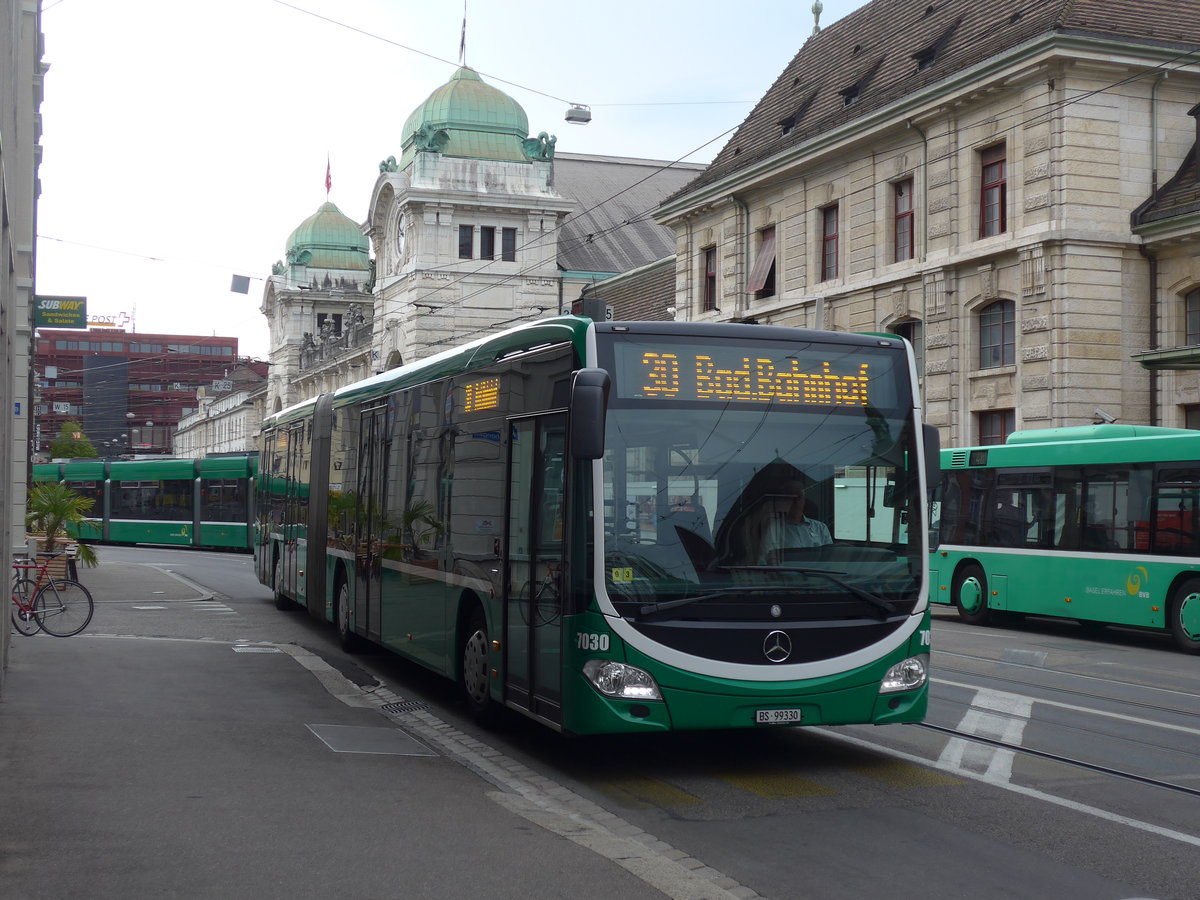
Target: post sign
x,y
59,312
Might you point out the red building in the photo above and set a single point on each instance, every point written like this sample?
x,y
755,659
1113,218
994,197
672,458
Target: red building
x,y
129,390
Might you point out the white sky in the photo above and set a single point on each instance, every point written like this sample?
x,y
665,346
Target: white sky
x,y
183,142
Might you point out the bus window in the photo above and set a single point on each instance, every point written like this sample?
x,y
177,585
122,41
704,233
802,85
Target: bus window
x,y
1176,505
1105,515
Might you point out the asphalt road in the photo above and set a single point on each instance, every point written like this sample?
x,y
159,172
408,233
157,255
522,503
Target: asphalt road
x,y
1060,764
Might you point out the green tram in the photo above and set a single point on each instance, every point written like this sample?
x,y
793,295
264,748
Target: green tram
x,y
1097,523
203,503
570,519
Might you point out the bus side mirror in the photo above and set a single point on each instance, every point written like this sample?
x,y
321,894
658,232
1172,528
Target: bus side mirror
x,y
933,457
589,404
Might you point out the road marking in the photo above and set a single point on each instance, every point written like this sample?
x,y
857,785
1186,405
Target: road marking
x,y
993,714
898,773
1033,793
640,792
776,785
1092,711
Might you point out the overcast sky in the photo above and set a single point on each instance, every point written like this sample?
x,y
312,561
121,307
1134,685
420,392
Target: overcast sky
x,y
183,142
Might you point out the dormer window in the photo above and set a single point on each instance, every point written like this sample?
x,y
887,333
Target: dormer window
x,y
851,94
789,124
926,56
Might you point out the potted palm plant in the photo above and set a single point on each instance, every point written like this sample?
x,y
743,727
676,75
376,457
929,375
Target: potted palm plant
x,y
52,511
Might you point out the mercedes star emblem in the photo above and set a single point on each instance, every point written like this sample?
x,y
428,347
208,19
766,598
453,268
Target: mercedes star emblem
x,y
777,646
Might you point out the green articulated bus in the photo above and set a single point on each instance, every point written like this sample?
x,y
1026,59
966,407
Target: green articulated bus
x,y
1097,523
584,522
204,503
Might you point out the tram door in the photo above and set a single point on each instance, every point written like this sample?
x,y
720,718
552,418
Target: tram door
x,y
534,583
369,521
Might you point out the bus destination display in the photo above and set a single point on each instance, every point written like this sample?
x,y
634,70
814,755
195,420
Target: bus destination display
x,y
705,375
480,396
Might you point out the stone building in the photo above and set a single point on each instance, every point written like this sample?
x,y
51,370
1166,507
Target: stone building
x,y
986,180
476,226
319,307
227,415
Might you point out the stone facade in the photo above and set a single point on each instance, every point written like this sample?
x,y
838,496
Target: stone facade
x,y
428,295
1079,130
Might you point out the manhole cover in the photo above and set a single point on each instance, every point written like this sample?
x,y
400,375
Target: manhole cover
x,y
358,739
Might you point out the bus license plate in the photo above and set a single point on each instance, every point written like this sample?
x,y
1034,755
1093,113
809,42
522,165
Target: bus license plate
x,y
777,717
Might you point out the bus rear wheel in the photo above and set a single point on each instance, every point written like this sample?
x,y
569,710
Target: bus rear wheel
x,y
1185,616
281,599
970,595
475,672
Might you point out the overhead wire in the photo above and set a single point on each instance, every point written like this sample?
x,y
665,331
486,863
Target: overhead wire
x,y
1018,111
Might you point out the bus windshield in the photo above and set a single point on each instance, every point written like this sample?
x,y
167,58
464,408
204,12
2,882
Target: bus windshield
x,y
724,509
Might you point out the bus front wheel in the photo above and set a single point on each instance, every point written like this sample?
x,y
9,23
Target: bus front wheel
x,y
476,669
1185,616
970,596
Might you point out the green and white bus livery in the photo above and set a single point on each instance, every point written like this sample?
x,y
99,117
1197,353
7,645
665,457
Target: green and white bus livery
x,y
582,521
1096,523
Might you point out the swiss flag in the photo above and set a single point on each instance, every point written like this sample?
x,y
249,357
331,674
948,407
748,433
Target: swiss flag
x,y
328,176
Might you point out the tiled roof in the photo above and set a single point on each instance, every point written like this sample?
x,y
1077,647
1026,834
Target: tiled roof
x,y
879,46
641,296
1178,197
613,229
1181,195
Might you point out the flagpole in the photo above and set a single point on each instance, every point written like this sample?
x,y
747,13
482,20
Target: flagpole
x,y
462,43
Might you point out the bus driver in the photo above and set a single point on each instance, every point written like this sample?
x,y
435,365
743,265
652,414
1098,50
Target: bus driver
x,y
791,528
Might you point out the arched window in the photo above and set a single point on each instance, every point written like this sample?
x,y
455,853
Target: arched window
x,y
913,332
1191,317
997,334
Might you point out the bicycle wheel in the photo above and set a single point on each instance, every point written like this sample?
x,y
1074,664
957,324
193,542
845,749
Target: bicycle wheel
x,y
24,619
64,608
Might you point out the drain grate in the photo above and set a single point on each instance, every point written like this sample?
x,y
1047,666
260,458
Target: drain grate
x,y
405,706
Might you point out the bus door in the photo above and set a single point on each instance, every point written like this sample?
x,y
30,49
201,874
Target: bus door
x,y
369,522
292,510
534,566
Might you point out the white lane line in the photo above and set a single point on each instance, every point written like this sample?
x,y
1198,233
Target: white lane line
x,y
1090,710
1170,834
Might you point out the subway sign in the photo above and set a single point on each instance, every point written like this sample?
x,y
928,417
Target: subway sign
x,y
59,312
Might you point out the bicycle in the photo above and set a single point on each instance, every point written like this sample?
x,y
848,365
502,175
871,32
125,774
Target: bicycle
x,y
58,606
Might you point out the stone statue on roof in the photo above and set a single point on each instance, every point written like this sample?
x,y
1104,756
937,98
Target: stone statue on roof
x,y
426,138
540,147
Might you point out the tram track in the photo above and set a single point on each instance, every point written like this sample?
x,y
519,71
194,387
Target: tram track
x,y
1169,786
1192,713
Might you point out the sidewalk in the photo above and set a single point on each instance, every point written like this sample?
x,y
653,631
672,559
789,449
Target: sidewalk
x,y
132,767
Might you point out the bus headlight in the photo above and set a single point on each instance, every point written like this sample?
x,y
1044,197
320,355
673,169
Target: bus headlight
x,y
905,676
615,679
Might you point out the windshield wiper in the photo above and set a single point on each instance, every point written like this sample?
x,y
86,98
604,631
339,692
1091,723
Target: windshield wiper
x,y
885,606
651,608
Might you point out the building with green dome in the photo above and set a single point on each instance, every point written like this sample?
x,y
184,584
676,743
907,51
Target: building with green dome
x,y
473,225
480,225
318,306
